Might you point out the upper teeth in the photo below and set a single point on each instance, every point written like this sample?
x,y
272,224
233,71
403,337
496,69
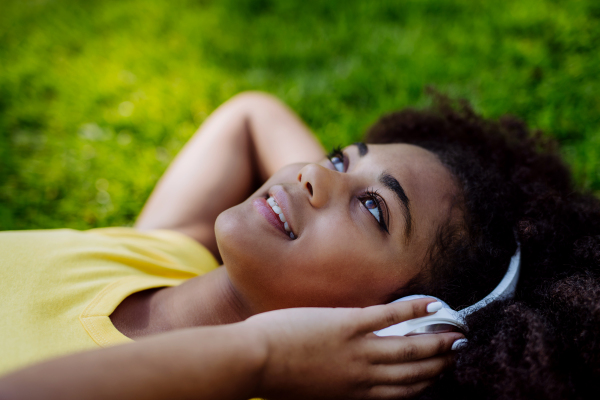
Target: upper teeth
x,y
275,207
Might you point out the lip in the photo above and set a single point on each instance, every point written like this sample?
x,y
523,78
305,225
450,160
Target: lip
x,y
263,208
283,201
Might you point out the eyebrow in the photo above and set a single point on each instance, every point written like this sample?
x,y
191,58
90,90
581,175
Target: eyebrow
x,y
362,148
392,184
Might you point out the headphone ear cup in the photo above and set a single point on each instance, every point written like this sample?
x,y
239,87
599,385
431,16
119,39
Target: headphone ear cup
x,y
421,296
413,297
444,320
447,319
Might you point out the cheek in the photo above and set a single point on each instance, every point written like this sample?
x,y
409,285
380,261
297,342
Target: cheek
x,y
331,265
340,269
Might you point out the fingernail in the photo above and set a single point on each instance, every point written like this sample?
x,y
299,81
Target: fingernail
x,y
433,307
458,343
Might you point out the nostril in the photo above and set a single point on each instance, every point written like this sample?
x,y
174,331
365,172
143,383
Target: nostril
x,y
309,187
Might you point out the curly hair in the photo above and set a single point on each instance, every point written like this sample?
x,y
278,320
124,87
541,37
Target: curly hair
x,y
544,343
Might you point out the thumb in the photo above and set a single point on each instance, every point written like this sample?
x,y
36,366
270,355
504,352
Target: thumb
x,y
375,318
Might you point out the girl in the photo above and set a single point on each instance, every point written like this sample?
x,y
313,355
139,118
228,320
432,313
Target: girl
x,y
339,232
430,204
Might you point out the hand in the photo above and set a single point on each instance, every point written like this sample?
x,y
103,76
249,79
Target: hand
x,y
326,353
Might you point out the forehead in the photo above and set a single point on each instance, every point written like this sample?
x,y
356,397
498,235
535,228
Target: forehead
x,y
429,185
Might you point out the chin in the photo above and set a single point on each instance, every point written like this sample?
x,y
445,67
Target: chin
x,y
229,232
239,246
251,261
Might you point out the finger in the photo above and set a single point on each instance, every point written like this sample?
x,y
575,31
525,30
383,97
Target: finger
x,y
398,392
378,317
412,372
397,349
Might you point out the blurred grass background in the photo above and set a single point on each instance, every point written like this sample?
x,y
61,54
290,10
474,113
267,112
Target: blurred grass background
x,y
96,97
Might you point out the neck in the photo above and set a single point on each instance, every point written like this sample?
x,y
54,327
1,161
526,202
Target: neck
x,y
210,299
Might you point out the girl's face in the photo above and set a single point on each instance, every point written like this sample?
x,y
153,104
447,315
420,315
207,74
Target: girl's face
x,y
362,221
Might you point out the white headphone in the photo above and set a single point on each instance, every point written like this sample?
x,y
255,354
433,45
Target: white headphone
x,y
446,319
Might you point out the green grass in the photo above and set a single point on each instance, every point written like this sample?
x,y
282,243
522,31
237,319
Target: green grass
x,y
96,97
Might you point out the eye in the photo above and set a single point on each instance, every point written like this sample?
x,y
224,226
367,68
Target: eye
x,y
338,164
376,205
373,208
336,156
371,200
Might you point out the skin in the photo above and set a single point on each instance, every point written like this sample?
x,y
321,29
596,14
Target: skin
x,y
301,353
339,258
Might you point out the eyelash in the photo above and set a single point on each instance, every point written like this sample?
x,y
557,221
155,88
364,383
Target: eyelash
x,y
337,153
381,207
367,195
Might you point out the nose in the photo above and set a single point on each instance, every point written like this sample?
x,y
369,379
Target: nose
x,y
319,183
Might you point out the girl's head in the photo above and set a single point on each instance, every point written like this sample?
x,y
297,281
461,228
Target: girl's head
x,y
429,205
470,184
363,220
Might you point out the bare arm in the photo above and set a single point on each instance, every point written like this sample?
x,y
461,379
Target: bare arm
x,y
237,148
294,354
184,364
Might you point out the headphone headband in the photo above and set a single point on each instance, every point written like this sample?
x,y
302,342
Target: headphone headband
x,y
504,290
447,318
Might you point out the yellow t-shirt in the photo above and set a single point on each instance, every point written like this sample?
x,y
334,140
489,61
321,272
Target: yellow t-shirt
x,y
59,287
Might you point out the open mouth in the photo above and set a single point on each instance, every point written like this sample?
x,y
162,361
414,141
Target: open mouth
x,y
283,223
